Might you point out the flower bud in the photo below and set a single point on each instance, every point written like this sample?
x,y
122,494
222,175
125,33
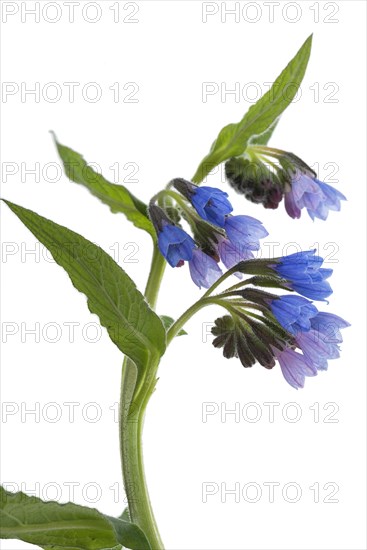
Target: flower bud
x,y
255,181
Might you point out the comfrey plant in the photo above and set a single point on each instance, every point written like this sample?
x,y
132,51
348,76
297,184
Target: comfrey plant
x,y
270,316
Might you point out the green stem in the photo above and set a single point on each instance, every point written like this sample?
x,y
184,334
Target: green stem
x,y
155,277
230,305
267,150
220,281
177,326
131,427
133,405
132,410
173,195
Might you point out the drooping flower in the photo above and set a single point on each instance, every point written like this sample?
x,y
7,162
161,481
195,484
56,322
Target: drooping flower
x,y
175,244
231,254
320,343
316,196
294,313
210,203
304,261
243,234
245,231
305,275
315,350
294,367
204,270
328,324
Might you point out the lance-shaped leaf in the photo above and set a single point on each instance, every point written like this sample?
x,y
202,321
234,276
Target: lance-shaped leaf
x,y
132,325
262,139
55,526
117,197
232,140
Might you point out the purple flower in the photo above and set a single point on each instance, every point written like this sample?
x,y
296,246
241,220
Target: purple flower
x,y
231,254
211,204
294,367
318,345
305,275
314,195
294,313
321,343
315,350
204,270
245,231
329,324
175,244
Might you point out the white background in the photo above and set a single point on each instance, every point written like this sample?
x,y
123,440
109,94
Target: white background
x,y
169,53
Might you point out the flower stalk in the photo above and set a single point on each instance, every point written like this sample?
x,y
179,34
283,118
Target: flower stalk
x,y
132,411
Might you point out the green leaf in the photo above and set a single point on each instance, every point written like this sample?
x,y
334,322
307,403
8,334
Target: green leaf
x,y
233,138
117,197
125,514
55,526
168,322
135,329
129,534
262,139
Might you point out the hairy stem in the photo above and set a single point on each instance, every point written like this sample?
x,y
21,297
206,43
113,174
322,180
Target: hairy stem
x,y
155,277
131,427
177,326
132,410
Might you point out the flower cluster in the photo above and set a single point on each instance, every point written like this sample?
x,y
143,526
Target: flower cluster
x,y
316,334
260,327
310,338
217,234
271,174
